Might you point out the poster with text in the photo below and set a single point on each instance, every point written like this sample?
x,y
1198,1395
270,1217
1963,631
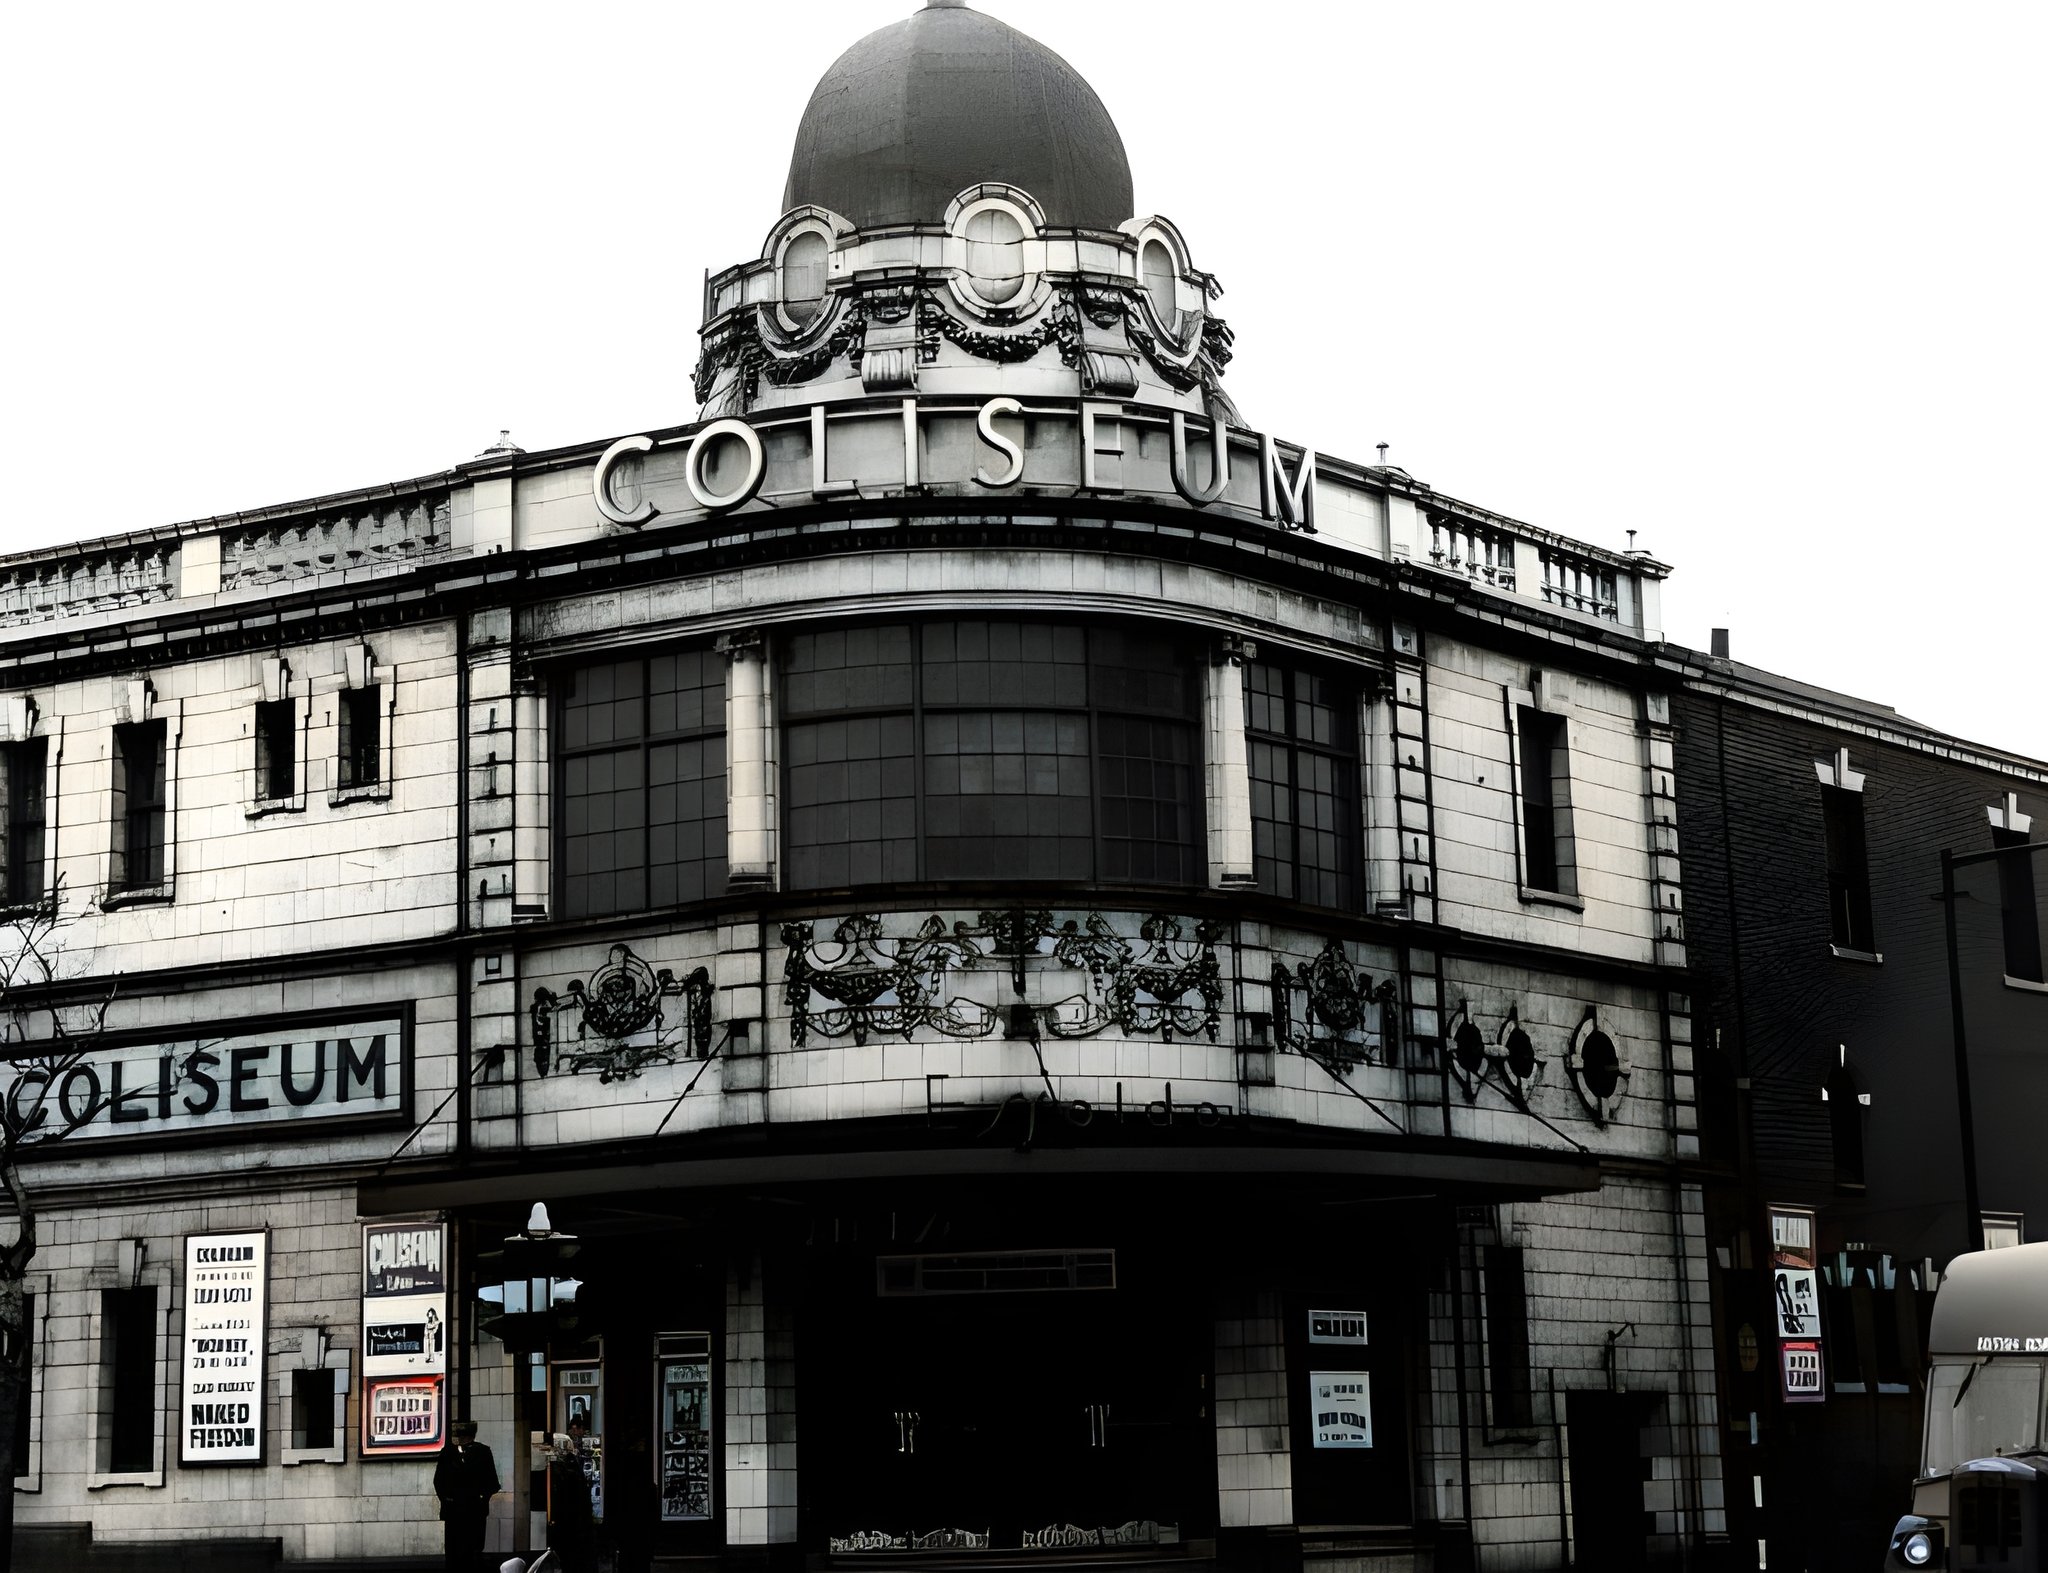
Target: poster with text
x,y
1799,1364
683,1364
405,1337
1340,1407
403,1415
220,1404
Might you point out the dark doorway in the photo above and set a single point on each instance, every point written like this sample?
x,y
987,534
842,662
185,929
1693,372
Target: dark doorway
x,y
1609,1523
1007,1413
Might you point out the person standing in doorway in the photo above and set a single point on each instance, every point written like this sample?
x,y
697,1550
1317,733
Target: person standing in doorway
x,y
465,1479
571,1531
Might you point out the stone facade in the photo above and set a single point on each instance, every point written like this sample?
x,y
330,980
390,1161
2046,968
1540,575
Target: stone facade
x,y
1360,1187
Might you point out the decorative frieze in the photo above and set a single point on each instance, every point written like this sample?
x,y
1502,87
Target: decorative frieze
x,y
1165,980
95,582
397,531
623,1024
1329,1009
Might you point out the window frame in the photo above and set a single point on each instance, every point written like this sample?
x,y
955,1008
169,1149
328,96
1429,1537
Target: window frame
x,y
102,1475
1344,753
918,710
378,701
33,869
2019,908
336,1366
122,886
1845,836
276,725
1526,719
1510,1377
561,758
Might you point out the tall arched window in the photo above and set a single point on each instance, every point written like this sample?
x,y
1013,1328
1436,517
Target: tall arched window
x,y
803,276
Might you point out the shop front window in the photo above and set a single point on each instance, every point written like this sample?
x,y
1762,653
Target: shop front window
x,y
989,750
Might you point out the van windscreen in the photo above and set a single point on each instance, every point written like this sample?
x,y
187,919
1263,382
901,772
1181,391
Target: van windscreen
x,y
1981,1408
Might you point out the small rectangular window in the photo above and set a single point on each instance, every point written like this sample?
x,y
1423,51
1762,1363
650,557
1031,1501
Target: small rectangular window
x,y
1848,870
26,769
361,761
1507,1336
2003,1229
312,1409
139,805
1549,859
276,759
2019,907
127,1442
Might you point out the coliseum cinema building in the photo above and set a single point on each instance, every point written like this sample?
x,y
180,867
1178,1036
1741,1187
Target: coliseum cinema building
x,y
1077,982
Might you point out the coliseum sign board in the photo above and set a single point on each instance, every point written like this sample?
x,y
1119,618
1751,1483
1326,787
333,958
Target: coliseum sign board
x,y
220,1083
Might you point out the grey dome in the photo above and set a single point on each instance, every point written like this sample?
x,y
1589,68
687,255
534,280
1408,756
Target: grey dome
x,y
915,113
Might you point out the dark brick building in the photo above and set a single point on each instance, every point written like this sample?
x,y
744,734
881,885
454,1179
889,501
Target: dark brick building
x,y
1813,826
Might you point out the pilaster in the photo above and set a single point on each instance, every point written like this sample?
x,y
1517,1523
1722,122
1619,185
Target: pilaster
x,y
1228,770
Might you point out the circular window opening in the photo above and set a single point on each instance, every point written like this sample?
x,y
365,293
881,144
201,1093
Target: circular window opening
x,y
1600,1065
1470,1049
803,276
995,255
1521,1055
1157,272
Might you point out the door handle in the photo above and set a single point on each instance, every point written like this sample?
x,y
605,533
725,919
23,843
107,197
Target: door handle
x,y
1098,1425
906,1430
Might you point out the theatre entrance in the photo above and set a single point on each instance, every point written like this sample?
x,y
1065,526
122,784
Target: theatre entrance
x,y
1021,1395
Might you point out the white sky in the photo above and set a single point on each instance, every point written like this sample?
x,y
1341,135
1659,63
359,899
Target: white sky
x,y
1763,282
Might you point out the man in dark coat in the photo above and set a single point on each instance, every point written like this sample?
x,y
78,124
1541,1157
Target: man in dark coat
x,y
465,1479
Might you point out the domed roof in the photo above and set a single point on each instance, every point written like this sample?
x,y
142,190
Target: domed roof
x,y
915,113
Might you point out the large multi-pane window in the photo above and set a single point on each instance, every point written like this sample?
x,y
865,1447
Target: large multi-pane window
x,y
989,750
1301,736
641,763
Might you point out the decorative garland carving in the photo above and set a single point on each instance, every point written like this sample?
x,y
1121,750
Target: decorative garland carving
x,y
1339,999
750,345
872,989
858,983
621,1028
1081,323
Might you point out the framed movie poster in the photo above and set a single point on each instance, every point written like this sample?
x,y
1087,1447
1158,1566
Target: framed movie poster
x,y
683,1411
227,1337
405,1338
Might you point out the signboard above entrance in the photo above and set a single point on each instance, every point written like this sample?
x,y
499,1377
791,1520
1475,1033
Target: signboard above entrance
x,y
219,1083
